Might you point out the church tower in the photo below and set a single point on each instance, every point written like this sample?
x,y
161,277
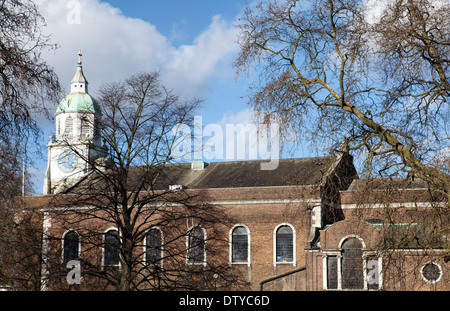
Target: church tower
x,y
77,144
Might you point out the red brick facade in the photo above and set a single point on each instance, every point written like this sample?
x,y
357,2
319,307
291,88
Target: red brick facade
x,y
322,253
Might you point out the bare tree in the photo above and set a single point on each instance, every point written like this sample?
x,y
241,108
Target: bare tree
x,y
413,226
332,72
26,81
26,84
161,235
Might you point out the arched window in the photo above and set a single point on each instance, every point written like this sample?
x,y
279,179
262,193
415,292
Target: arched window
x,y
85,129
68,129
284,244
71,246
111,248
196,246
96,129
352,264
239,245
153,247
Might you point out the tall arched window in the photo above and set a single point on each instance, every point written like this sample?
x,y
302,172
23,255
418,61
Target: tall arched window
x,y
153,247
85,129
284,244
196,246
111,248
239,245
71,246
96,129
352,264
68,129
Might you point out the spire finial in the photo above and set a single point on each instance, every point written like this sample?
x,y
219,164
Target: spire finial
x,y
79,83
79,57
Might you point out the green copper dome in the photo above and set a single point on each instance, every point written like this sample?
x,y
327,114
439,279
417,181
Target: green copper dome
x,y
78,102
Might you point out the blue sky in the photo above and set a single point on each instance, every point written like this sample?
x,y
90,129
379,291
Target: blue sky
x,y
187,18
182,39
192,43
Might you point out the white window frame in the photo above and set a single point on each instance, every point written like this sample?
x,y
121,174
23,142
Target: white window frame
x,y
69,133
230,257
430,281
103,247
294,246
62,244
380,271
202,263
85,122
338,254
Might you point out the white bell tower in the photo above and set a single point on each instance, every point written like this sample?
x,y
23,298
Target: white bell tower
x,y
72,152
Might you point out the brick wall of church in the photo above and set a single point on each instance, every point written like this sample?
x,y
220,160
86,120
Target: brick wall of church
x,y
401,229
260,210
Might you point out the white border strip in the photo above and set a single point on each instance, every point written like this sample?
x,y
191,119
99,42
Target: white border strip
x,y
392,205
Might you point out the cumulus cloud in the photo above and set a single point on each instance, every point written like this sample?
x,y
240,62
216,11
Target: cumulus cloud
x,y
115,46
191,65
375,8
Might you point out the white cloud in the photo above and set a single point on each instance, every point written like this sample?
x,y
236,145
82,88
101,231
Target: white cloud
x,y
246,116
374,8
115,46
191,65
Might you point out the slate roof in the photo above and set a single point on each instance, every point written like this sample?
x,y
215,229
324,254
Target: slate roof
x,y
306,171
235,174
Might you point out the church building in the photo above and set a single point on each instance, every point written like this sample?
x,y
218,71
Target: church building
x,y
309,225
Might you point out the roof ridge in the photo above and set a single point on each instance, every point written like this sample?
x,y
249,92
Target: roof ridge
x,y
256,161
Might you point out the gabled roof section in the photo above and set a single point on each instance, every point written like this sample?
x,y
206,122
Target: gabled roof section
x,y
236,174
290,172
